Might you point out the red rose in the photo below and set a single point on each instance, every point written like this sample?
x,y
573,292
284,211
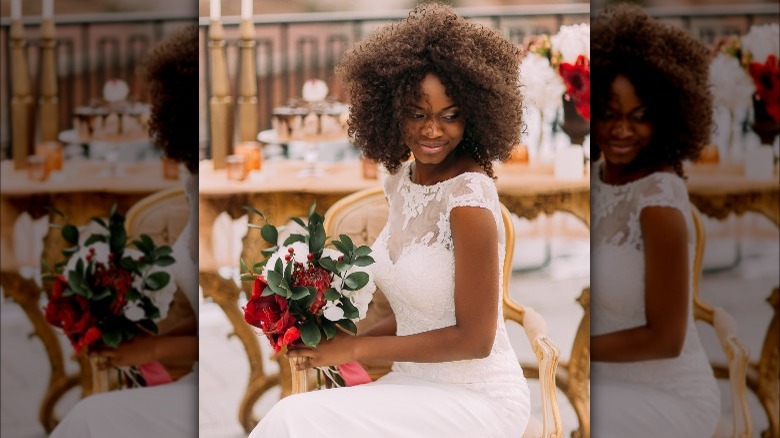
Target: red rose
x,y
766,77
576,77
91,336
272,315
317,277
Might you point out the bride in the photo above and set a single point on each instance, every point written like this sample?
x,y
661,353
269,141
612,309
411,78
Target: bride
x,y
445,91
168,410
651,110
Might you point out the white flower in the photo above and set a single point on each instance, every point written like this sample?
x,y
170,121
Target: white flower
x,y
732,87
333,312
571,41
762,41
133,311
541,85
362,297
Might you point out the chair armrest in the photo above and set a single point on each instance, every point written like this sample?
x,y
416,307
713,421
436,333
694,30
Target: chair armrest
x,y
738,355
547,354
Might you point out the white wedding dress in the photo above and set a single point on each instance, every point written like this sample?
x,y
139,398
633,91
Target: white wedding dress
x,y
415,268
169,410
675,397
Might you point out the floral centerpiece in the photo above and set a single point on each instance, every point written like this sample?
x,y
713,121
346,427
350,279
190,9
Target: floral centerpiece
x,y
571,55
761,56
304,291
105,292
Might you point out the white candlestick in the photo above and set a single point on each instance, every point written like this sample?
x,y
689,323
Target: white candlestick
x,y
246,9
16,9
48,9
215,9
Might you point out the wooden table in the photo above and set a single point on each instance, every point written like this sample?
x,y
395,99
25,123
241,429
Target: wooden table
x,y
280,193
78,192
719,191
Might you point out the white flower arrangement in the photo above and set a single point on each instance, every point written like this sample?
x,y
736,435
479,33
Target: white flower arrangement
x,y
570,42
542,86
760,42
732,87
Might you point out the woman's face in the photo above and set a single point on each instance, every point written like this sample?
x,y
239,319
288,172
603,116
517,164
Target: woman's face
x,y
624,130
433,126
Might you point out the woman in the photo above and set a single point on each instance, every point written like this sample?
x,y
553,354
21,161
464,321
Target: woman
x,y
652,110
168,410
444,91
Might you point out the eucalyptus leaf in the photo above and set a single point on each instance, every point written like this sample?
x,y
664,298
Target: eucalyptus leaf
x,y
71,234
350,311
332,294
329,328
112,338
157,280
348,325
310,333
362,250
329,264
270,233
363,261
356,280
299,292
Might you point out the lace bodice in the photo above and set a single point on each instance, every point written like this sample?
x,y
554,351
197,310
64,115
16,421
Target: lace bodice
x,y
617,280
415,267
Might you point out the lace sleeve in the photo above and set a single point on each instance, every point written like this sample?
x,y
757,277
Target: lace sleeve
x,y
664,190
474,190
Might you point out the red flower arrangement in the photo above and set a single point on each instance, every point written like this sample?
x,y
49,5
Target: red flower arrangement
x,y
766,77
576,77
305,291
105,293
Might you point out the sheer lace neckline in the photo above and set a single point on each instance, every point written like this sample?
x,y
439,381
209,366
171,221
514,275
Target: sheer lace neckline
x,y
600,178
407,173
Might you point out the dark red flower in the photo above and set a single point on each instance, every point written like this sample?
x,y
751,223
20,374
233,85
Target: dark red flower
x,y
317,277
766,77
92,335
576,77
272,315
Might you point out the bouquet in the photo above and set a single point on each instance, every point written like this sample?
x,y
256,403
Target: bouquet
x,y
305,291
106,293
571,55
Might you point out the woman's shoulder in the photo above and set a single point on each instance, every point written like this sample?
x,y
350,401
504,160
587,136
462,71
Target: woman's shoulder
x,y
662,189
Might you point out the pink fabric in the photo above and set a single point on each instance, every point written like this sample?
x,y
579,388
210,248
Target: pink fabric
x,y
155,373
354,374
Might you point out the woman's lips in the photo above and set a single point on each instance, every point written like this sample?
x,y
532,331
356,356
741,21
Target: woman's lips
x,y
431,146
620,148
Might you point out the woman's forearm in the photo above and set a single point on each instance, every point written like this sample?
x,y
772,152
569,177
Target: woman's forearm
x,y
176,347
635,344
442,345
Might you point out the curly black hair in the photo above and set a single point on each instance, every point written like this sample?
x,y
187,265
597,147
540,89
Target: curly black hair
x,y
477,66
171,75
669,71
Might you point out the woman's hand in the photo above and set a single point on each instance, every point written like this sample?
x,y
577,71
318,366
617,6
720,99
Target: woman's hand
x,y
336,351
140,350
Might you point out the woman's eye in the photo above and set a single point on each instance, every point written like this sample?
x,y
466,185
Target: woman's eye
x,y
639,117
416,116
450,117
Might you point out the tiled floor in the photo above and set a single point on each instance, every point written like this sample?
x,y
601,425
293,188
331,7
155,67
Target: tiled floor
x,y
551,290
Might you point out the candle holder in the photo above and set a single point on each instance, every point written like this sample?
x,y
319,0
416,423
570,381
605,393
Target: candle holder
x,y
252,153
51,151
236,167
36,168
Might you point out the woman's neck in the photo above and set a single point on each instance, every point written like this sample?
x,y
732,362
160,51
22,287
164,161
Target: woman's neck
x,y
428,174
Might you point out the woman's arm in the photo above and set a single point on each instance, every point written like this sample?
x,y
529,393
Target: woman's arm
x,y
666,294
475,240
383,327
144,349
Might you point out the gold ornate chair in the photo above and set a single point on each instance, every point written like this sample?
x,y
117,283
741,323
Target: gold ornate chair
x,y
739,423
362,216
163,216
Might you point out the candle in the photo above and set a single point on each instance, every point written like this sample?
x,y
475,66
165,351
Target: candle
x,y
252,153
215,9
16,9
48,9
236,167
246,9
51,151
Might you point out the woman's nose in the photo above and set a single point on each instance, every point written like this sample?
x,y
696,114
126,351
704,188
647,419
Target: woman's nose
x,y
431,129
622,129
